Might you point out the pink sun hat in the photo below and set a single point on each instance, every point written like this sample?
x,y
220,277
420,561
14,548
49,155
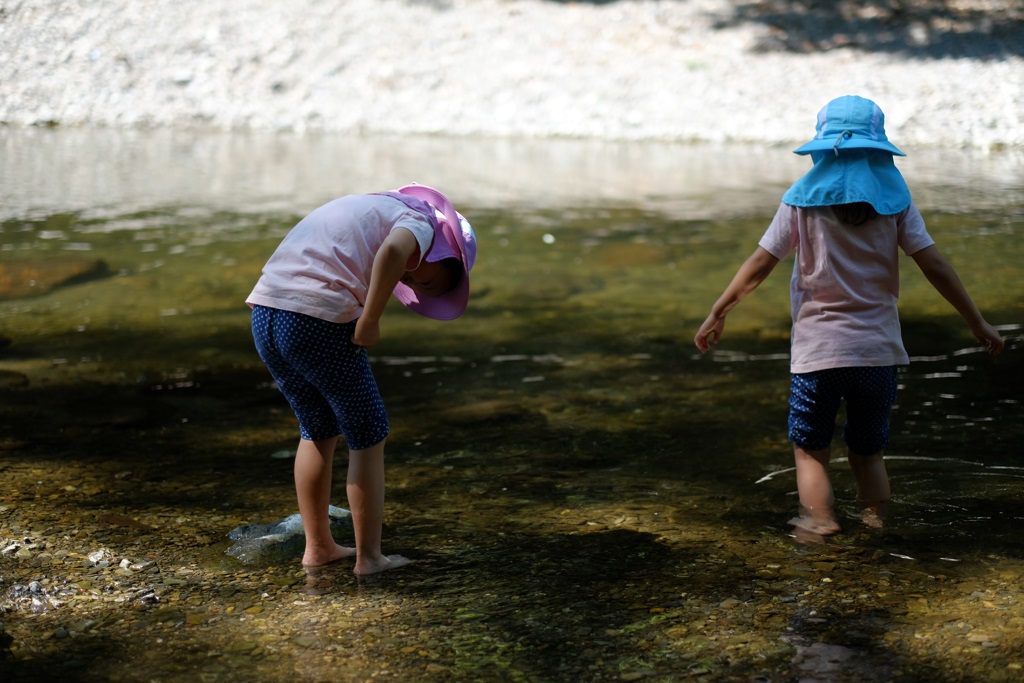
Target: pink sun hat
x,y
453,238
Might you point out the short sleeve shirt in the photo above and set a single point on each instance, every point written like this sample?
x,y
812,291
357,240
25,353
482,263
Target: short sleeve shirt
x,y
845,284
322,266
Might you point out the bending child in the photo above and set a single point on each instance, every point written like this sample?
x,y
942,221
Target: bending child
x,y
315,311
846,219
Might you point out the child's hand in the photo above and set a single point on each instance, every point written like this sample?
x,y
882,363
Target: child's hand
x,y
990,339
751,274
367,333
709,333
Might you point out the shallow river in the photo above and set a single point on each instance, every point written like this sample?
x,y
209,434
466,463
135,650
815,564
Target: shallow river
x,y
584,496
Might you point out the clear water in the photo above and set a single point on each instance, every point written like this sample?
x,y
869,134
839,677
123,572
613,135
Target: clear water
x,y
567,414
597,262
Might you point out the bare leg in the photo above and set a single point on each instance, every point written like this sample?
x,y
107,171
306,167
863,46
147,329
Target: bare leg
x,y
366,500
313,470
872,487
816,499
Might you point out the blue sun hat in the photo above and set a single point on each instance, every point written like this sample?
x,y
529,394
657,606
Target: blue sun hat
x,y
853,160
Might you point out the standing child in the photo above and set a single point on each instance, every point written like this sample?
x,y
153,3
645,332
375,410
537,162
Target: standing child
x,y
315,311
846,219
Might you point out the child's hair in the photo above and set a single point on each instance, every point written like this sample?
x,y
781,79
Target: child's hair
x,y
854,214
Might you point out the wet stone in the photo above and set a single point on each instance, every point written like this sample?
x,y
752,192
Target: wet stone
x,y
279,540
35,277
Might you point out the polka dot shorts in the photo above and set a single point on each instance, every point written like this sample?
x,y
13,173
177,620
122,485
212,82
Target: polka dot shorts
x,y
324,376
814,400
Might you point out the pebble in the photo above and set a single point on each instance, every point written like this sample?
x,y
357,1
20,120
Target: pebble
x,y
708,70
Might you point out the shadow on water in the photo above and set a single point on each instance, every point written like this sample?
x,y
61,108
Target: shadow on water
x,y
583,495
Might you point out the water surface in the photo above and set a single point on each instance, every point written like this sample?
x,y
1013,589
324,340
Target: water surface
x,y
585,496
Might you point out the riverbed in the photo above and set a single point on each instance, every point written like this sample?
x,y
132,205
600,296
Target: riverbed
x,y
583,495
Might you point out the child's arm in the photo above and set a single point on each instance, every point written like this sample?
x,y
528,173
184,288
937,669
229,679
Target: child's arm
x,y
751,274
389,264
946,282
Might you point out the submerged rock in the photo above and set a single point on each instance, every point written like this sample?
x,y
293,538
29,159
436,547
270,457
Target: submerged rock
x,y
10,379
280,540
35,277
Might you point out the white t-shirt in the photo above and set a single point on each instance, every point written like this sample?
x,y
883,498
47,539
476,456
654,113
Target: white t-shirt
x,y
322,266
845,285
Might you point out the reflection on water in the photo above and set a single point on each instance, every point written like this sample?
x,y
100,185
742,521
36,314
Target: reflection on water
x,y
551,446
120,173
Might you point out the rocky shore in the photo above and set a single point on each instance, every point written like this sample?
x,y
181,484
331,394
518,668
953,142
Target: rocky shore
x,y
946,73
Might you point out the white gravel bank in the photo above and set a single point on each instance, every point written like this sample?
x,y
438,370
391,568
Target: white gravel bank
x,y
640,69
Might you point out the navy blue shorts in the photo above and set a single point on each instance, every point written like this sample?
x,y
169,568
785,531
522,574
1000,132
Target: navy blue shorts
x,y
324,376
814,399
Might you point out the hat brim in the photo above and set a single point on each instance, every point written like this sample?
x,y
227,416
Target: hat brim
x,y
447,306
829,143
452,304
851,178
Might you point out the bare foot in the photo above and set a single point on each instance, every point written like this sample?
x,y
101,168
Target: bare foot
x,y
366,567
872,517
318,557
821,527
807,537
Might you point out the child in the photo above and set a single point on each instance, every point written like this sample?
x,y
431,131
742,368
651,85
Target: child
x,y
315,311
845,218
